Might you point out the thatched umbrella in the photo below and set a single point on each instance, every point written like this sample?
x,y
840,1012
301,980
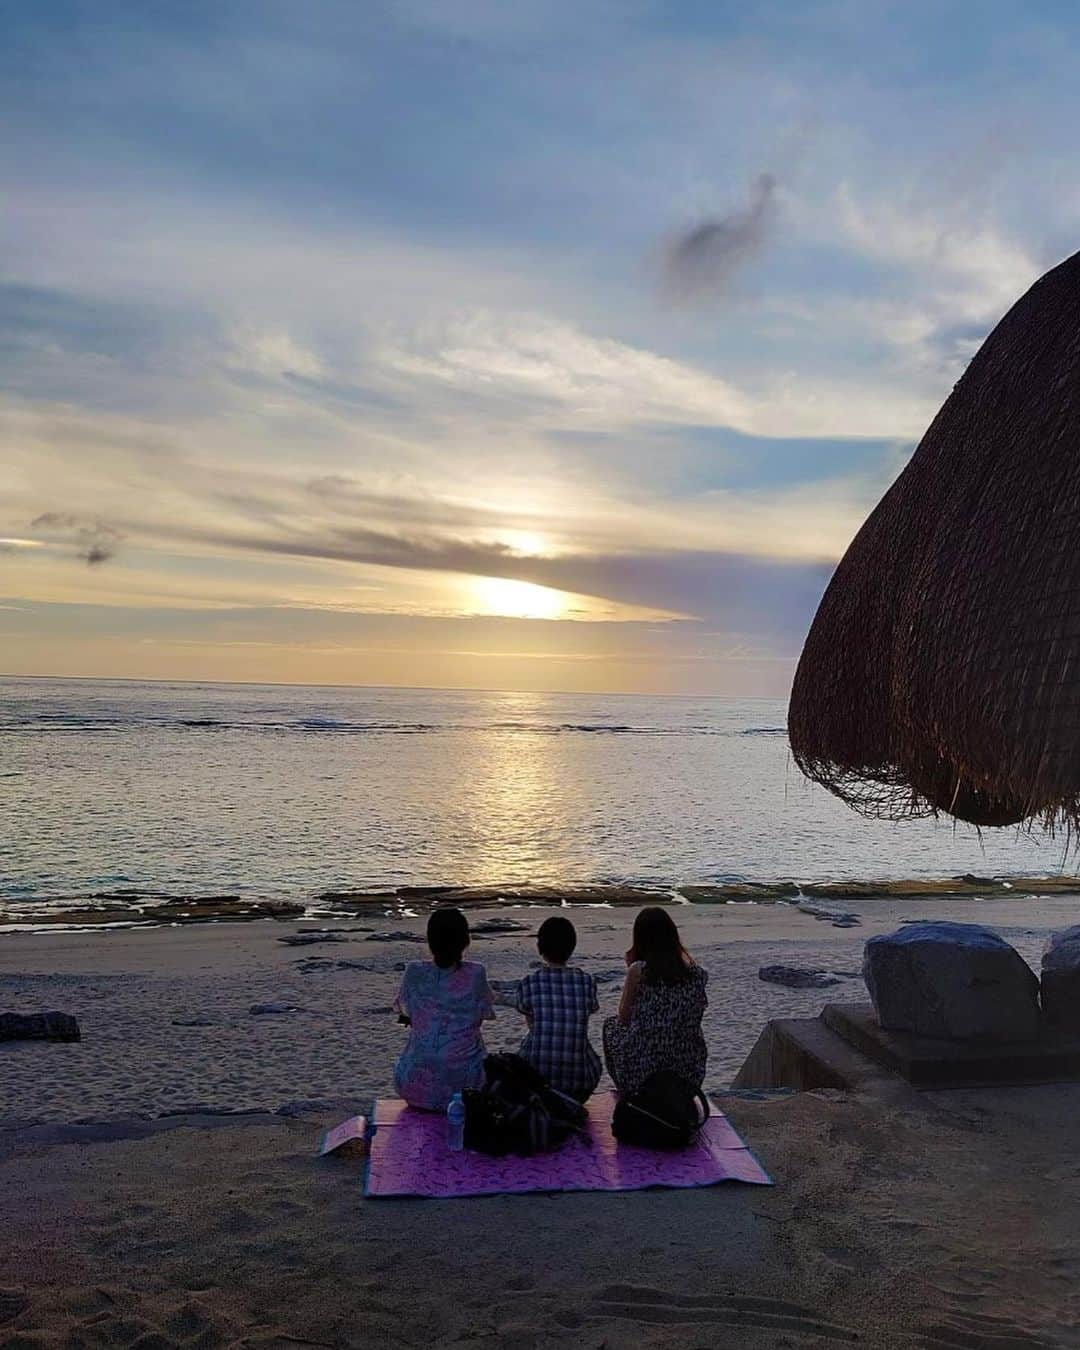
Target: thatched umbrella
x,y
942,672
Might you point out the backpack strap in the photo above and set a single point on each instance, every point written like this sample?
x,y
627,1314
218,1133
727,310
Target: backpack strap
x,y
632,1105
699,1097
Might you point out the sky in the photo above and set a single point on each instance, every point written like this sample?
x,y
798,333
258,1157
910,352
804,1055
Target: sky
x,y
460,343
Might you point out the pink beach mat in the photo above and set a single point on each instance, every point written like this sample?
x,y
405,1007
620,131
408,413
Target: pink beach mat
x,y
409,1156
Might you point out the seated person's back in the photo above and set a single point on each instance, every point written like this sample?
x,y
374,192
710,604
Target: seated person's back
x,y
658,1025
444,1001
558,1001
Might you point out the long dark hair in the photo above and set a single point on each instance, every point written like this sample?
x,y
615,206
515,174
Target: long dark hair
x,y
447,936
658,945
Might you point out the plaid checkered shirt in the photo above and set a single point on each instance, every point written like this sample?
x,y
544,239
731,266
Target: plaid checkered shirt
x,y
559,1001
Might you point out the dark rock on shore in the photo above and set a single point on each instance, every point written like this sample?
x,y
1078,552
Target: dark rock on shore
x,y
740,892
942,888
273,1009
395,935
479,897
358,899
308,965
47,1026
174,910
309,939
863,890
838,918
797,977
1043,885
493,927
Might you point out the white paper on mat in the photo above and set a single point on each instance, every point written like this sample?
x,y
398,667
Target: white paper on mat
x,y
353,1128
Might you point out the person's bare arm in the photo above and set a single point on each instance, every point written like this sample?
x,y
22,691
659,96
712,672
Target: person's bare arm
x,y
401,1003
629,993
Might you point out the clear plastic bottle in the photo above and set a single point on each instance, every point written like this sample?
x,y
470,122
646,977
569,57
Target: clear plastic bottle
x,y
455,1123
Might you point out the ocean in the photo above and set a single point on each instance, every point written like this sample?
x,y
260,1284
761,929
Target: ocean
x,y
280,792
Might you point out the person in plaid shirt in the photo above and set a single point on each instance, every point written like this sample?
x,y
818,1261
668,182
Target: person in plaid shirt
x,y
558,1001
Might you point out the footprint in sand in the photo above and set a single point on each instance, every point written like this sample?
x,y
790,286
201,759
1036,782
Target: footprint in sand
x,y
12,1303
973,1331
655,1307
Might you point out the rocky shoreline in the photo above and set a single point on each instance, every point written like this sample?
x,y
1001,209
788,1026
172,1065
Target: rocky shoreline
x,y
144,909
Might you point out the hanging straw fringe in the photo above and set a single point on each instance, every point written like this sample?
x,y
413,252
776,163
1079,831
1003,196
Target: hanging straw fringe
x,y
942,672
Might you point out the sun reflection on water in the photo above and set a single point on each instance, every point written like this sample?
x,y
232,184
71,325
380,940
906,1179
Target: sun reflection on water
x,y
516,793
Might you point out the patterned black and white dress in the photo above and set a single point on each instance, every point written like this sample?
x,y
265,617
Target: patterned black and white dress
x,y
664,1032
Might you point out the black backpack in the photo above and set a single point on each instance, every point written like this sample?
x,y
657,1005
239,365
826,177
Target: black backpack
x,y
517,1111
665,1112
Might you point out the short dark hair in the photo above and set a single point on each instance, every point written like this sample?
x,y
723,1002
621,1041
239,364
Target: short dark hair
x,y
447,936
557,939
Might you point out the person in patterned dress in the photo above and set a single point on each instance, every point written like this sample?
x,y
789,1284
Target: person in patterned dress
x,y
557,1001
443,1001
658,1025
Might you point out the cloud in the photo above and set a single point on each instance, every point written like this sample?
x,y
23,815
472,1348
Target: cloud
x,y
539,372
94,542
201,530
274,352
932,278
536,365
700,263
981,270
125,476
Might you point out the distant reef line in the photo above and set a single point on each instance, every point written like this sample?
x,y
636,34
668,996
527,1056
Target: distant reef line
x,y
134,908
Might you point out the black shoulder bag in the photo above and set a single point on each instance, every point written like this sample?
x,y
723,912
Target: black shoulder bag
x,y
665,1112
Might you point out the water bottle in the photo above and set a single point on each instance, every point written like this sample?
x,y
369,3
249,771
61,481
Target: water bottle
x,y
455,1123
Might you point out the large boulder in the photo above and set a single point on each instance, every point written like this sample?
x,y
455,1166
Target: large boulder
x,y
1061,981
956,981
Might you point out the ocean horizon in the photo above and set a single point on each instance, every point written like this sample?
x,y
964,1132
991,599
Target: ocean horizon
x,y
129,788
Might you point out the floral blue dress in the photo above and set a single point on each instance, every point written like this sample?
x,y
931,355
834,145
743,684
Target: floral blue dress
x,y
445,1050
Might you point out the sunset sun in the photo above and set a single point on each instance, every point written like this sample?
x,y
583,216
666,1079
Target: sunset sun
x,y
517,599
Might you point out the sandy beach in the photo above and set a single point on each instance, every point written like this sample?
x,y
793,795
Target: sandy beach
x,y
187,1208
166,1020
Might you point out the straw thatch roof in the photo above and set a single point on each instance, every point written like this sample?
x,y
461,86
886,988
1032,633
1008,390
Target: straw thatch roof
x,y
942,672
